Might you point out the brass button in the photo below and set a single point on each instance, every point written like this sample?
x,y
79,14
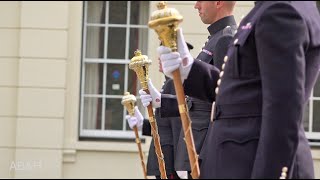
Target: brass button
x,y
225,59
217,90
221,74
285,169
219,82
235,41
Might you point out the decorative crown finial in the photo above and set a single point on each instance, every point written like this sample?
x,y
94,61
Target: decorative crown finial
x,y
137,53
162,5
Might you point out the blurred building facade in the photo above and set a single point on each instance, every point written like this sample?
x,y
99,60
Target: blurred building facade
x,y
63,71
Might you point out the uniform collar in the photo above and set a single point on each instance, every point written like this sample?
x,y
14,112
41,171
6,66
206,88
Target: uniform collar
x,y
258,2
221,24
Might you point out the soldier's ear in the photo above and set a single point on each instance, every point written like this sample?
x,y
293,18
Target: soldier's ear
x,y
219,4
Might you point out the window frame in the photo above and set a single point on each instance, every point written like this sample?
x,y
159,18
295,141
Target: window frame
x,y
106,133
312,136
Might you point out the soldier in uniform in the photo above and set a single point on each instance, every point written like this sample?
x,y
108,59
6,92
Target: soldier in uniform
x,y
262,90
222,27
168,128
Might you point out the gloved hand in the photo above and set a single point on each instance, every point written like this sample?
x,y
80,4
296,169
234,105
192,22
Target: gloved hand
x,y
182,174
173,60
154,96
136,120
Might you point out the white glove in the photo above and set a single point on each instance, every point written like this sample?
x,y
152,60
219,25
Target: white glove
x,y
154,96
182,174
136,120
173,60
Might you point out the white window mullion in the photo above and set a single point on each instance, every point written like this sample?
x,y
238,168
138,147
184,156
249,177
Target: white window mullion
x,y
126,57
104,93
127,31
83,65
316,98
103,96
105,66
311,113
106,35
109,61
117,25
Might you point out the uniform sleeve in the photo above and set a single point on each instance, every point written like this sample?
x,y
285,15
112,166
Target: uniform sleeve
x,y
221,50
146,128
280,38
202,81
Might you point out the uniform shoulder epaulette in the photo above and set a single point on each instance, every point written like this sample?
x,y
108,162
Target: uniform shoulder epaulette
x,y
228,30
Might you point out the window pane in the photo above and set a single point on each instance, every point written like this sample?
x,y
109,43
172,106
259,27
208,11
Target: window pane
x,y
96,12
92,113
114,114
316,90
93,78
94,42
306,118
316,116
138,40
118,12
139,12
115,79
117,43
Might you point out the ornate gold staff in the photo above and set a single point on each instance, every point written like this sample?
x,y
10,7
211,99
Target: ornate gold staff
x,y
128,101
165,22
140,64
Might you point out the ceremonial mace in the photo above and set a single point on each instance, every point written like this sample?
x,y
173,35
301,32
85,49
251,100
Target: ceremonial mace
x,y
128,101
165,22
140,64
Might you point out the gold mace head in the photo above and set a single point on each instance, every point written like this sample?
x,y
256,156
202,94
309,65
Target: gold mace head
x,y
140,64
165,22
128,101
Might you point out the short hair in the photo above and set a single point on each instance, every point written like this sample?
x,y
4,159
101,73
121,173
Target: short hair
x,y
231,4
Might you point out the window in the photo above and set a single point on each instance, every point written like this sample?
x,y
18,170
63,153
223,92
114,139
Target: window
x,y
112,31
312,115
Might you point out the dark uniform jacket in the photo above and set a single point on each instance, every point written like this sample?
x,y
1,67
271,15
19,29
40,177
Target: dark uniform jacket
x,y
213,52
221,33
169,129
271,67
